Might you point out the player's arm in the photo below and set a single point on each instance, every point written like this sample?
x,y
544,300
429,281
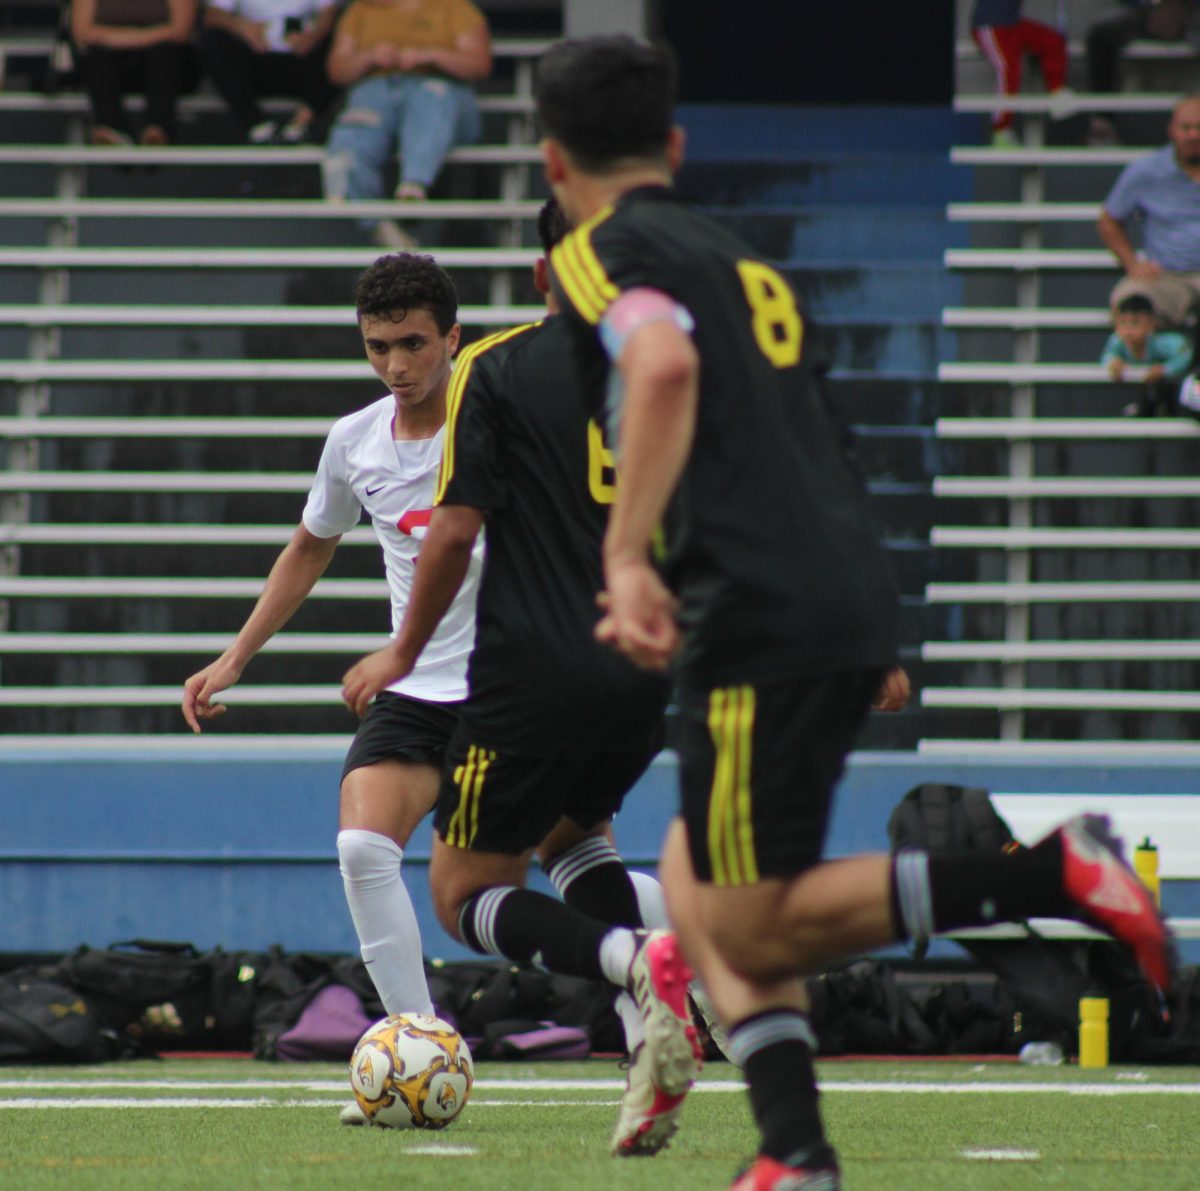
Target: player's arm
x,y
441,569
660,370
301,563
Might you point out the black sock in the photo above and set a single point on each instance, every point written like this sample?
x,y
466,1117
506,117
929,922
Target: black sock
x,y
591,878
775,1052
530,927
937,893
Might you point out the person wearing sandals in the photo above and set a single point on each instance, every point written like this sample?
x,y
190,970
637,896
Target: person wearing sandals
x,y
128,45
256,48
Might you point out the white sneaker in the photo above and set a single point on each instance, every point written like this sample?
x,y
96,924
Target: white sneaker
x,y
649,1118
1063,104
388,234
262,133
664,1067
353,1115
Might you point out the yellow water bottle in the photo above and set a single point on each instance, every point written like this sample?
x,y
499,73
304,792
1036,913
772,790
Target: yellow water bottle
x,y
1145,864
1093,1031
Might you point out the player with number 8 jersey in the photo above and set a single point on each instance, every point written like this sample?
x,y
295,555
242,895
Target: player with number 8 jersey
x,y
767,540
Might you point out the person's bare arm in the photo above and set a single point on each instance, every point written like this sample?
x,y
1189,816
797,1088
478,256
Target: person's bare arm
x,y
441,568
470,59
252,33
181,18
347,64
300,564
661,373
1114,238
307,40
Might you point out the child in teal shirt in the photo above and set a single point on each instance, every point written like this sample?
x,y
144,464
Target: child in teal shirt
x,y
1135,342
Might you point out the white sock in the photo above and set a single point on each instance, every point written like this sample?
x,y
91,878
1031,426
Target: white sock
x,y
384,919
616,954
651,903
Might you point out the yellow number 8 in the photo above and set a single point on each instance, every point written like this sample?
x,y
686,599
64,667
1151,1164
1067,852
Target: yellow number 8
x,y
778,328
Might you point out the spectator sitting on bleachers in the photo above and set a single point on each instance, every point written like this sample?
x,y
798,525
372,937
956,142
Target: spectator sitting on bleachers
x,y
1003,36
125,45
1136,343
1162,20
256,48
408,64
1162,192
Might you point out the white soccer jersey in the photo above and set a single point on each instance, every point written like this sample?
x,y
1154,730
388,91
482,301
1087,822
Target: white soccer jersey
x,y
363,467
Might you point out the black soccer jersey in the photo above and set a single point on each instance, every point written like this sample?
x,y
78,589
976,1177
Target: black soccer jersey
x,y
768,540
521,447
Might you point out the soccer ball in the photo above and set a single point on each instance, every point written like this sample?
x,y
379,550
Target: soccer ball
x,y
410,1071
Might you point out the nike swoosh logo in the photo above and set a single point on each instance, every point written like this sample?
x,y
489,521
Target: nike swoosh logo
x,y
372,491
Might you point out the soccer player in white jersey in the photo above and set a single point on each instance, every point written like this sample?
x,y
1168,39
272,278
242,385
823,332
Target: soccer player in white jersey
x,y
383,459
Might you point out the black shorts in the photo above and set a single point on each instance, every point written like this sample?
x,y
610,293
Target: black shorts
x,y
758,766
400,726
493,801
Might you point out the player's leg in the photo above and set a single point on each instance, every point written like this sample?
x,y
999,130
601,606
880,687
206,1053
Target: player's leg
x,y
492,811
389,784
769,1036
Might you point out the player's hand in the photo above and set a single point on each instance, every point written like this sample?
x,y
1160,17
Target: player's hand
x,y
370,675
639,615
893,694
1144,270
203,686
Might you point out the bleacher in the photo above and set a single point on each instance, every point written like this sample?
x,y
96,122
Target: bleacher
x,y
1066,541
177,338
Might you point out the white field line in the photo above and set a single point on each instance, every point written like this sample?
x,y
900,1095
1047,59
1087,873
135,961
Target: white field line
x,y
900,1087
1002,1155
42,1103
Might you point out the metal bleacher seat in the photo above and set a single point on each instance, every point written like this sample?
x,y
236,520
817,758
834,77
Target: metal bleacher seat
x,y
1062,525
166,504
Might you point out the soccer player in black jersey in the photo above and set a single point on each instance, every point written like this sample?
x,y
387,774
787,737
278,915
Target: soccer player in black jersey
x,y
556,728
739,552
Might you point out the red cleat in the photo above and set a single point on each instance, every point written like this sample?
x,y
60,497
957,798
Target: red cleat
x,y
1111,897
768,1174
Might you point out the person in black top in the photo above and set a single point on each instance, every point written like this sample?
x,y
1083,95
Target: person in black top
x,y
556,728
739,553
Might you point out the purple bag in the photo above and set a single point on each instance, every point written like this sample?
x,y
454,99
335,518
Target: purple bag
x,y
329,1028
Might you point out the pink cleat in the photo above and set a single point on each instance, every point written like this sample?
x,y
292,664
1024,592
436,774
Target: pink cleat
x,y
1111,897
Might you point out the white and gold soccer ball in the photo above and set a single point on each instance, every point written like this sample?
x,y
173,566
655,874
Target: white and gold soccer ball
x,y
410,1071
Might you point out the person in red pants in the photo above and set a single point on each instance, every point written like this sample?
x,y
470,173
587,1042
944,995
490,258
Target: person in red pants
x,y
1003,36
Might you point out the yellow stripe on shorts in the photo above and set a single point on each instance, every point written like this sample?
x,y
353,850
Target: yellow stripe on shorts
x,y
468,777
730,808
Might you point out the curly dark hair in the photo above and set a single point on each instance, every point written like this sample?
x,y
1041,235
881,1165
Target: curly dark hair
x,y
606,99
403,281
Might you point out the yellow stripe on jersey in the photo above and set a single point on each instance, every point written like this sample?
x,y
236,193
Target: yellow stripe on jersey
x,y
454,395
730,808
468,777
580,272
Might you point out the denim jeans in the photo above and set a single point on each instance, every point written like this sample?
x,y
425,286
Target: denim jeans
x,y
418,118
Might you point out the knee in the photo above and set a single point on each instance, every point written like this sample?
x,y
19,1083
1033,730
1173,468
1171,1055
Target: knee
x,y
367,859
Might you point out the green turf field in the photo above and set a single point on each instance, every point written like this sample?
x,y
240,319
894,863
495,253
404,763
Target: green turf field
x,y
231,1124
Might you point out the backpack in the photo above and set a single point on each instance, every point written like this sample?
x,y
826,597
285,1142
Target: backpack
x,y
43,1021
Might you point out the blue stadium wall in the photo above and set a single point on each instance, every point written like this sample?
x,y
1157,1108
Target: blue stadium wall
x,y
200,842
